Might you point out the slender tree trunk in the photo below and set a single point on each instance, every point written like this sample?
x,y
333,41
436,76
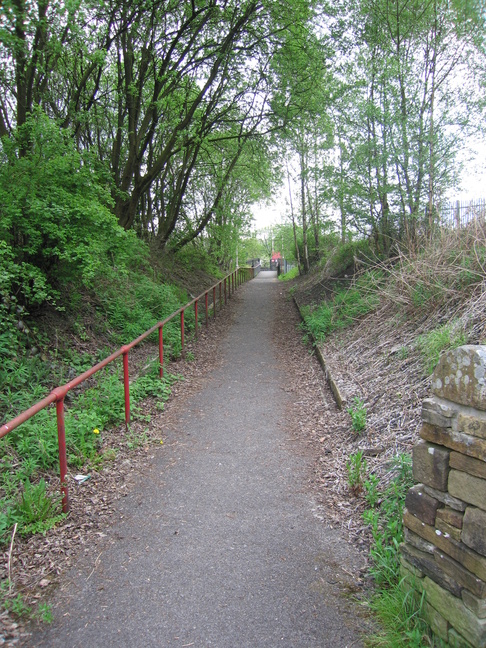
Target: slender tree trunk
x,y
304,215
430,205
297,252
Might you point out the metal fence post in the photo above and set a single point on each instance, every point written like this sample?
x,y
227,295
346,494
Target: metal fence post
x,y
126,385
161,351
182,330
61,439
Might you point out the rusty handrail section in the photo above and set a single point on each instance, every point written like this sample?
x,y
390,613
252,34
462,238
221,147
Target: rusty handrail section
x,y
228,284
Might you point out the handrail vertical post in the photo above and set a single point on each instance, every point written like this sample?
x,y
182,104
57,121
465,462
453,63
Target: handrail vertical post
x,y
196,309
207,308
61,439
220,296
214,302
126,386
182,331
225,299
161,350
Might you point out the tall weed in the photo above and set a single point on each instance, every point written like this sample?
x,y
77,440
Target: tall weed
x,y
399,613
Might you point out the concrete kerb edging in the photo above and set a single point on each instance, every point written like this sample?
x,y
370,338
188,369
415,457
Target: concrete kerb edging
x,y
339,394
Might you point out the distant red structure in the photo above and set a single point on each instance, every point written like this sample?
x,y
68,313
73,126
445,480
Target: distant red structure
x,y
275,261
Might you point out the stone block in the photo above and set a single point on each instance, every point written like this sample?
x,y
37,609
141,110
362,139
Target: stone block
x,y
431,465
468,488
438,412
476,604
463,443
416,541
421,505
407,569
460,574
448,530
426,563
410,583
466,464
457,614
462,554
455,640
446,499
474,529
460,376
436,621
471,421
450,516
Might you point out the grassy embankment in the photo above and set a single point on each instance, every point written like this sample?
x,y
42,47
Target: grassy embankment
x,y
442,288
46,348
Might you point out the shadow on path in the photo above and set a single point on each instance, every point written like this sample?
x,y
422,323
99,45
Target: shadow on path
x,y
218,545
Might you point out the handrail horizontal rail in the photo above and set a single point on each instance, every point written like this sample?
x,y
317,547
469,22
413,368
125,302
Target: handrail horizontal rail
x,y
57,395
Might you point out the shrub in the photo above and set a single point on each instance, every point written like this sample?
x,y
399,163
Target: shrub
x,y
54,208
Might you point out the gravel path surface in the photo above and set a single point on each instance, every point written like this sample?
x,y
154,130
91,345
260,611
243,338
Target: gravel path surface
x,y
220,544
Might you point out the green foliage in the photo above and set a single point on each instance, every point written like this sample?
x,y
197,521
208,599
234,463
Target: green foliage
x,y
34,510
33,446
432,344
356,467
291,274
44,613
346,307
399,612
133,302
401,618
358,412
54,210
345,257
16,605
195,256
371,492
386,522
37,511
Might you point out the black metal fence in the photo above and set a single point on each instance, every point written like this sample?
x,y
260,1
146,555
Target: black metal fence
x,y
461,213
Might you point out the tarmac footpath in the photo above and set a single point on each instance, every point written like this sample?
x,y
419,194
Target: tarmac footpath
x,y
219,545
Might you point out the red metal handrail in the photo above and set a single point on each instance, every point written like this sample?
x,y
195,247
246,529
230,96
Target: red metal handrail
x,y
58,394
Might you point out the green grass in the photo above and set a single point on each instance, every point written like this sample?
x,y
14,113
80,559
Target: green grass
x,y
32,448
132,303
401,619
434,343
346,307
399,612
291,274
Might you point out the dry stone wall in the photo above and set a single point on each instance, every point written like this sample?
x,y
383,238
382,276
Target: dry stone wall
x,y
444,553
